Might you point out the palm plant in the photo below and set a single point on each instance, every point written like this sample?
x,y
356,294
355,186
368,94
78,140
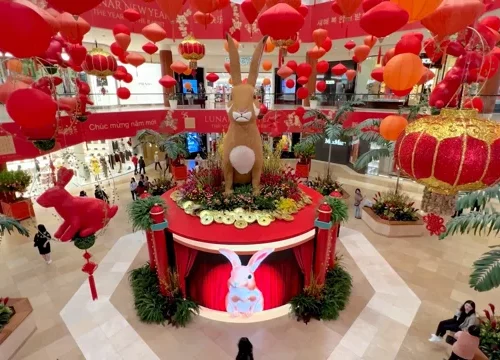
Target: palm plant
x,y
9,224
173,145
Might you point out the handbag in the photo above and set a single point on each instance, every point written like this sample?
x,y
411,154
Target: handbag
x,y
450,339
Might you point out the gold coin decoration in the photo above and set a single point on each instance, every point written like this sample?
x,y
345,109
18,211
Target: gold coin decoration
x,y
187,204
264,221
239,216
288,217
238,210
219,218
207,220
205,213
240,224
228,219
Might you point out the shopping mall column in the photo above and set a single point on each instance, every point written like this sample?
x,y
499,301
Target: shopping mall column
x,y
166,61
489,93
311,84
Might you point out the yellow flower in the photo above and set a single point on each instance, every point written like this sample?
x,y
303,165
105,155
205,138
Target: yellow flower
x,y
286,205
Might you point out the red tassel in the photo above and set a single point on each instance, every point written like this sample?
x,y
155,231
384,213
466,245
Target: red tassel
x,y
89,267
93,289
379,54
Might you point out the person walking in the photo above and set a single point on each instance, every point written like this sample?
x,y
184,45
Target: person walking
x,y
83,194
42,242
358,198
100,194
135,160
245,349
133,187
157,161
142,165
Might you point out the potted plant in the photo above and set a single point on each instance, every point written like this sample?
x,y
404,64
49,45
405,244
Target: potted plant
x,y
313,101
304,151
172,100
327,186
17,324
490,334
11,184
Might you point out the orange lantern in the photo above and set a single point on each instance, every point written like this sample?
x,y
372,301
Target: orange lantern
x,y
123,40
454,151
179,67
453,16
188,72
319,36
154,32
135,59
192,50
15,65
171,8
427,76
266,82
285,72
99,63
269,48
350,74
403,71
72,28
316,52
348,7
370,41
392,126
267,65
361,52
293,3
236,43
418,9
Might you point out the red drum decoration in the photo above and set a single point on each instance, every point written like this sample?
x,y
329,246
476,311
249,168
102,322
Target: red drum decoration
x,y
123,93
383,19
192,50
154,32
40,113
75,7
71,29
26,29
212,77
281,22
339,69
454,151
99,63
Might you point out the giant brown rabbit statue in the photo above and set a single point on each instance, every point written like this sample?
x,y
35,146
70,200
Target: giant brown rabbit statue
x,y
243,158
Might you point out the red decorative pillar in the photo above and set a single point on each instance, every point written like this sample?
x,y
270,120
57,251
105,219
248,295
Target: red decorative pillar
x,y
157,214
334,231
149,238
322,249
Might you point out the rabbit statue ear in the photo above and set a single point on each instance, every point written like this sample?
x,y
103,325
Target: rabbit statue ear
x,y
234,61
255,63
258,258
231,256
64,176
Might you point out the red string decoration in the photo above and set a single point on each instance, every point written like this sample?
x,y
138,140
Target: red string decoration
x,y
435,224
89,268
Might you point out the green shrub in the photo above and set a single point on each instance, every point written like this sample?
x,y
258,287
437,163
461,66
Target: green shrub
x,y
326,185
304,151
394,206
340,212
5,314
14,181
138,212
84,243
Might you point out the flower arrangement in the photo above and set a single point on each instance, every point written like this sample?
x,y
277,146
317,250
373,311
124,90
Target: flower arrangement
x,y
14,181
161,186
304,151
6,312
490,334
326,185
394,206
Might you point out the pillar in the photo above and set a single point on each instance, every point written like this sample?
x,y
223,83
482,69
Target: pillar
x,y
323,244
311,85
157,214
166,61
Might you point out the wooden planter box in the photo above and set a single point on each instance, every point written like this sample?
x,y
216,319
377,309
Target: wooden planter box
x,y
302,170
19,210
392,228
18,330
180,172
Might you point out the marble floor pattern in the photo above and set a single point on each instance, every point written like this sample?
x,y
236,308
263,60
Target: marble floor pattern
x,y
436,272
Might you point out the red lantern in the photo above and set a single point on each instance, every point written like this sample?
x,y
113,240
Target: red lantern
x,y
248,9
135,59
475,103
453,16
493,22
192,50
150,48
350,45
336,8
99,63
116,49
378,74
321,86
77,53
370,41
205,6
171,8
40,113
71,29
128,78
74,7
123,40
454,48
319,36
292,49
322,66
303,10
259,4
454,151
154,32
316,53
26,31
339,69
285,72
304,69
368,4
123,93
302,93
348,7
168,82
290,83
120,75
203,19
212,77
383,19
350,74
361,52
131,15
281,22
292,64
409,44
388,56
302,80
179,67
121,29
327,44
432,50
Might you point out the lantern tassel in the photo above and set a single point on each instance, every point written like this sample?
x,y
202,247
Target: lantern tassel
x,y
89,268
379,54
93,289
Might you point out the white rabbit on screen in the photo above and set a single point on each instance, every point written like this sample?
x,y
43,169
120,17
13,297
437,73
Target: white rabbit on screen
x,y
243,296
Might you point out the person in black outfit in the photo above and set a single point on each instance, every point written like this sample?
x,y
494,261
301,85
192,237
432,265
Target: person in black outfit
x,y
83,194
464,317
142,165
201,96
245,349
100,194
42,242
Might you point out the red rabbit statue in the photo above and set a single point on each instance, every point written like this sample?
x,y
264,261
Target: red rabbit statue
x,y
82,216
83,100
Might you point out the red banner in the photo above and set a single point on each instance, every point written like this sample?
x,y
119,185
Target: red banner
x,y
113,125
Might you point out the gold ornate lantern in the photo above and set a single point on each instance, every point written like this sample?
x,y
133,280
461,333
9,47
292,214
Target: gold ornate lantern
x,y
192,50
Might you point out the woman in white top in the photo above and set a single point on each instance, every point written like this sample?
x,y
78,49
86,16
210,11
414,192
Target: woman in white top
x,y
157,161
133,186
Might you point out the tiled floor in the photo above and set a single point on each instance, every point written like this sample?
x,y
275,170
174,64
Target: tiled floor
x,y
435,271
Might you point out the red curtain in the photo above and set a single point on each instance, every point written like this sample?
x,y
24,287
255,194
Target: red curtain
x,y
184,259
278,278
304,255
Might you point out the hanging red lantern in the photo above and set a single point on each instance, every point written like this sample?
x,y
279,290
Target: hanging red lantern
x,y
383,19
368,4
249,11
150,48
432,50
123,58
292,64
336,8
167,81
26,31
293,3
171,8
378,74
99,63
281,22
350,74
316,53
302,93
131,15
284,72
370,41
116,49
40,113
409,44
203,19
290,83
192,50
123,40
303,10
123,93
493,22
302,80
454,48
455,151
292,49
361,52
339,69
321,86
154,32
259,4
322,66
327,44
388,56
71,29
121,29
74,7
453,16
350,45
135,59
205,6
474,103
348,7
319,36
212,77
304,69
178,67
128,78
120,75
